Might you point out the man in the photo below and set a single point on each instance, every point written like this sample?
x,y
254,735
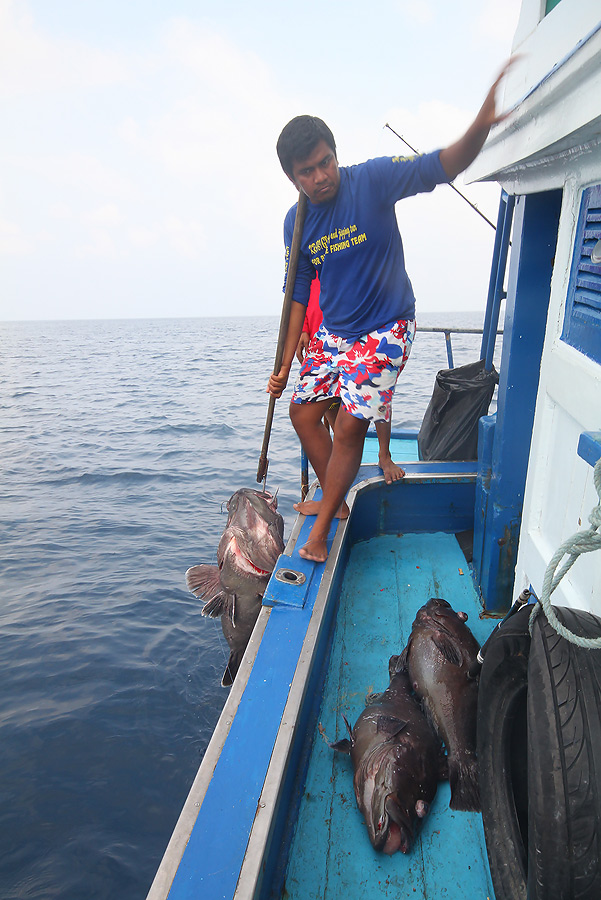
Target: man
x,y
351,238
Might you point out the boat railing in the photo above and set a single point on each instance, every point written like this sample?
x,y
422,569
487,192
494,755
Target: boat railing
x,y
447,335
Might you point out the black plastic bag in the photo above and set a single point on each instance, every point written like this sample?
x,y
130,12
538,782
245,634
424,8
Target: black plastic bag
x,y
450,426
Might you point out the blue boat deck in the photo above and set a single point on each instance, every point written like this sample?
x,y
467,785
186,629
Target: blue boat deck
x,y
387,579
401,448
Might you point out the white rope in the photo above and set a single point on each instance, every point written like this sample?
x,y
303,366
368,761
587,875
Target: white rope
x,y
581,542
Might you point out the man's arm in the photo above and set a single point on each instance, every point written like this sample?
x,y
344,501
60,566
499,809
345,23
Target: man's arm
x,y
458,156
277,383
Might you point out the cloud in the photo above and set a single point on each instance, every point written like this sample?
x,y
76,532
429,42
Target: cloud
x,y
30,62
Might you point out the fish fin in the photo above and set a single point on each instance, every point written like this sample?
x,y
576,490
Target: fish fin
x,y
448,649
343,745
463,778
233,664
390,725
203,580
216,606
348,727
398,663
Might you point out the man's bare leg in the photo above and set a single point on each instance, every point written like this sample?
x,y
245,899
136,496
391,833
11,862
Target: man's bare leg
x,y
317,443
347,447
391,471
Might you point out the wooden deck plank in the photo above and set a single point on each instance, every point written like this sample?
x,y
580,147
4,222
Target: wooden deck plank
x,y
401,449
387,580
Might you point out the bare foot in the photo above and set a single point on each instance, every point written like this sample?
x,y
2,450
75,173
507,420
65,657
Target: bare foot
x,y
316,549
311,508
391,471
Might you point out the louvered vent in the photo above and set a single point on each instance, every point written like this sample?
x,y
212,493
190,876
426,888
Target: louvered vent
x,y
582,324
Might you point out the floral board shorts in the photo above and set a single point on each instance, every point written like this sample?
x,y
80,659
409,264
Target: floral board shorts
x,y
362,373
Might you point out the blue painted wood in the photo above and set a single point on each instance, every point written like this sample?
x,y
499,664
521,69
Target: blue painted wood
x,y
289,593
401,450
387,579
497,275
582,320
409,506
589,447
534,241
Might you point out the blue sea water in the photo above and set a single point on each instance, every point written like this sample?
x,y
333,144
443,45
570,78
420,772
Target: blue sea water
x,y
120,441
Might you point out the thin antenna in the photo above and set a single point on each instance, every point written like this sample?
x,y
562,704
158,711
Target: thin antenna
x,y
451,185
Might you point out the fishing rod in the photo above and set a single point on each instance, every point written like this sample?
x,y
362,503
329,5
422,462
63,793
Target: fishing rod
x,y
451,185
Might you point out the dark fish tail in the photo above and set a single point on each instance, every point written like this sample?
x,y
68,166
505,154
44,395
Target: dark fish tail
x,y
463,778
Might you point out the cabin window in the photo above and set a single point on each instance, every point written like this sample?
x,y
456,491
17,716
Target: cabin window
x,y
582,324
550,4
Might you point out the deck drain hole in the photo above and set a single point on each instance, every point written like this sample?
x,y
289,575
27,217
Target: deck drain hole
x,y
290,576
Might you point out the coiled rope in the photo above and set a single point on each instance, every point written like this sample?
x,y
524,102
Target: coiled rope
x,y
581,542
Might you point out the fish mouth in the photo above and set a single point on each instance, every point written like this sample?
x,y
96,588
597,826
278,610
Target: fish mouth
x,y
393,830
240,560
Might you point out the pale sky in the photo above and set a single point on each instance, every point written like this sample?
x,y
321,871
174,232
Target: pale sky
x,y
139,176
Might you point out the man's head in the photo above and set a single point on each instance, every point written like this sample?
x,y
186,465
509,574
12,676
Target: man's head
x,y
307,152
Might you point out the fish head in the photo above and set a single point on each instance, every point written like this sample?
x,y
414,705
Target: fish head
x,y
387,795
438,614
247,505
251,542
442,611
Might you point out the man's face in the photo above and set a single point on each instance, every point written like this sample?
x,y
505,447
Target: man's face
x,y
317,175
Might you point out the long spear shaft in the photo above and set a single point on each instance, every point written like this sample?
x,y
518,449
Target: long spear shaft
x,y
457,191
297,235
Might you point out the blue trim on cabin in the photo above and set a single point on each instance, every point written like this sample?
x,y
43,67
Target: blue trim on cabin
x,y
589,447
582,321
504,454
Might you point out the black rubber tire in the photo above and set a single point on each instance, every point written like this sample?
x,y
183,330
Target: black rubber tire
x,y
564,764
502,758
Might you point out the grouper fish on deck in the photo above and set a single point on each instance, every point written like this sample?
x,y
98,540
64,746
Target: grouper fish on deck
x,y
249,547
397,760
439,654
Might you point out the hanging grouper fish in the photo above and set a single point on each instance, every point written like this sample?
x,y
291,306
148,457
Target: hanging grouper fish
x,y
247,552
439,655
398,761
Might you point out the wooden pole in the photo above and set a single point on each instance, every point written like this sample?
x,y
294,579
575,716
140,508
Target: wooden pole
x,y
297,235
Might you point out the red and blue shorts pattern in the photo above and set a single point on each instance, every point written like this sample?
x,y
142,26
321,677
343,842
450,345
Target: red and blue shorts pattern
x,y
363,373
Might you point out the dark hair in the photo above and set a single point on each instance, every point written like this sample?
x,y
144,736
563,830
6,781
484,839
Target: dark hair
x,y
299,138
